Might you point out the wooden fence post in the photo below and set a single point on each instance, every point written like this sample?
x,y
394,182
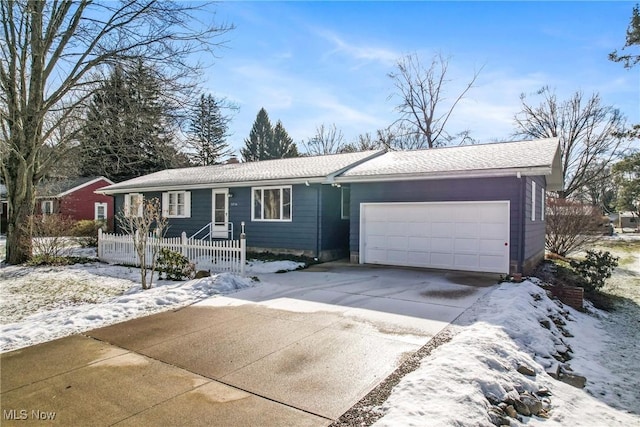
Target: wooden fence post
x,y
243,248
100,244
183,242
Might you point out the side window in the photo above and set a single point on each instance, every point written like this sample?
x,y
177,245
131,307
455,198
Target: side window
x,y
100,211
133,204
176,204
543,194
533,200
345,209
47,207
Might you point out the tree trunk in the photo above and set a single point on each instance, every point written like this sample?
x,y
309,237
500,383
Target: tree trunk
x,y
21,206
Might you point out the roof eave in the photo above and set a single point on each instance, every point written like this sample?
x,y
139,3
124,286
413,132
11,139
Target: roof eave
x,y
490,173
205,186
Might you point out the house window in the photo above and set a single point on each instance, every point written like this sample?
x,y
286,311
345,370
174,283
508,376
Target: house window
x,y
176,204
133,204
533,201
47,207
271,203
542,203
100,211
345,210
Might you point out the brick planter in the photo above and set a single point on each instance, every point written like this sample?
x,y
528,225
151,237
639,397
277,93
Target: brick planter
x,y
573,296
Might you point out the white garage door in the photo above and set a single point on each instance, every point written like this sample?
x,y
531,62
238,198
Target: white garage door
x,y
471,236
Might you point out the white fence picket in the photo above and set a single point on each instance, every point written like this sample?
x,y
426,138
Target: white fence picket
x,y
215,255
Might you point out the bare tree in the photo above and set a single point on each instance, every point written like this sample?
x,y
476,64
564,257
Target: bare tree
x,y
589,134
570,226
423,107
365,142
327,140
144,222
49,51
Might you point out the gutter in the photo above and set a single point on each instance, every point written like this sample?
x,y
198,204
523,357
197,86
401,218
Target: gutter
x,y
492,173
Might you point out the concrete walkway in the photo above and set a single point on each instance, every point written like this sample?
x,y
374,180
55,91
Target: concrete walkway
x,y
299,349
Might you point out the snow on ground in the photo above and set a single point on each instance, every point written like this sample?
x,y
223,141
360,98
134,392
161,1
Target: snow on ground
x,y
38,304
502,331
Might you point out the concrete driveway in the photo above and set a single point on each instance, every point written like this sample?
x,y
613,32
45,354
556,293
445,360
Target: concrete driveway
x,y
300,349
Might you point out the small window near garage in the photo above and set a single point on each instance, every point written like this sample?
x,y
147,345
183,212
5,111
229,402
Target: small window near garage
x,y
345,210
271,203
543,195
533,201
47,207
176,204
133,204
100,211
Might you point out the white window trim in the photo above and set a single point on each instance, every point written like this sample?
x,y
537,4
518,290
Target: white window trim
x,y
342,215
97,205
44,210
277,187
187,204
533,200
542,203
127,204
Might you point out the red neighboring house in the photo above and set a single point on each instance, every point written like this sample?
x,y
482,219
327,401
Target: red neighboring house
x,y
76,199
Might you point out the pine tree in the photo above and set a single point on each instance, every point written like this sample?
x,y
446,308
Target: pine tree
x,y
283,145
260,137
208,131
129,127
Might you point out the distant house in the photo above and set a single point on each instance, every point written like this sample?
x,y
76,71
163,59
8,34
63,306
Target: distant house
x,y
472,208
626,220
75,199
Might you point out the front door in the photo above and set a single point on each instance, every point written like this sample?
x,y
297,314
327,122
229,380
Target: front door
x,y
220,214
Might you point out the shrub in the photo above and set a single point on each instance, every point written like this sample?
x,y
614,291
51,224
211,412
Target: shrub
x,y
86,232
570,226
174,265
49,234
595,269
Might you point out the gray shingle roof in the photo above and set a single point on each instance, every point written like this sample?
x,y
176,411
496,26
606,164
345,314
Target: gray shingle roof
x,y
55,187
297,168
521,155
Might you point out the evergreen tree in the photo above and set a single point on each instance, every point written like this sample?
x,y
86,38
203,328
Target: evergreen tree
x,y
129,126
260,137
208,131
282,145
629,59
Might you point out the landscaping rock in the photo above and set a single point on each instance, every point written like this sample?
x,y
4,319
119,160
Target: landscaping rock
x,y
532,403
526,370
498,417
521,408
543,392
577,381
545,323
510,410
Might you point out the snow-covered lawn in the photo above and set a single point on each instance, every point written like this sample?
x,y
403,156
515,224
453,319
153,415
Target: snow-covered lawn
x,y
38,304
512,326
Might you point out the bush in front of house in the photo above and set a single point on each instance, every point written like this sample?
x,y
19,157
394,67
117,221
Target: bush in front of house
x,y
86,232
50,237
595,269
174,265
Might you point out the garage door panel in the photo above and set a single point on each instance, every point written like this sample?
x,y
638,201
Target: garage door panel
x,y
463,229
442,260
397,243
466,245
419,244
466,261
397,228
452,235
491,230
442,229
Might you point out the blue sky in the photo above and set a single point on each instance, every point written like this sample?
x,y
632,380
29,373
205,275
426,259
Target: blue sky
x,y
309,63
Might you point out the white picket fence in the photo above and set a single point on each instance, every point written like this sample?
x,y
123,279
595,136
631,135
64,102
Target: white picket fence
x,y
211,255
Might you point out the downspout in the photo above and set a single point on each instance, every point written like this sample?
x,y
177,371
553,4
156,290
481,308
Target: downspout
x,y
523,218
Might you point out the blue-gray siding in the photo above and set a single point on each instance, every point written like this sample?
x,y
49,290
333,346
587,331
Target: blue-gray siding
x,y
311,229
456,190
